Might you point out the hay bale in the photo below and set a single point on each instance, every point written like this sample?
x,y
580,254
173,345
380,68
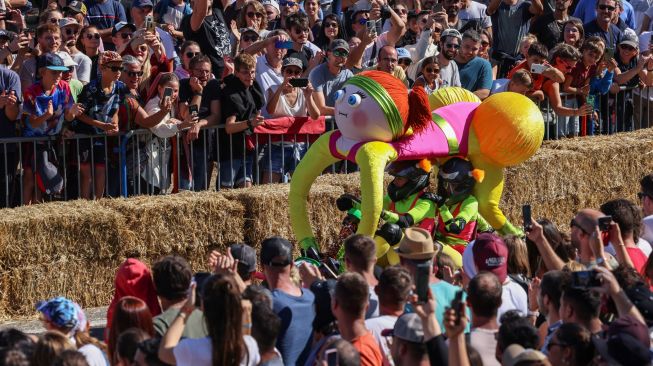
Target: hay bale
x,y
266,212
90,283
188,223
350,183
45,233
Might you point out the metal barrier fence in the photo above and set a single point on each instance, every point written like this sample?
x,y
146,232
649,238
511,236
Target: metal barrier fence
x,y
137,162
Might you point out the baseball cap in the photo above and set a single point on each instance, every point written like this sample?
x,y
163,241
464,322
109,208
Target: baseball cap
x,y
59,311
247,30
76,6
64,22
403,53
626,342
67,60
515,354
629,38
272,3
491,254
110,57
292,61
51,61
451,32
416,244
276,251
142,3
339,44
245,254
120,25
7,34
360,6
407,328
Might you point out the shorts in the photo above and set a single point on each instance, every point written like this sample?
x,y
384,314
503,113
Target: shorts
x,y
282,159
237,171
95,154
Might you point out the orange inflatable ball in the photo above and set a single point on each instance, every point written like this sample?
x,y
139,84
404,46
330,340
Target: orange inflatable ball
x,y
521,133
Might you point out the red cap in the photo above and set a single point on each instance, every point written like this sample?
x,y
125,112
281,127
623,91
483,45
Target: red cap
x,y
491,254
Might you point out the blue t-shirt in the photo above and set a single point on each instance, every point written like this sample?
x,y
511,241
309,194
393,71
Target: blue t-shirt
x,y
328,84
586,11
296,335
36,104
612,37
443,293
9,81
98,105
476,74
104,15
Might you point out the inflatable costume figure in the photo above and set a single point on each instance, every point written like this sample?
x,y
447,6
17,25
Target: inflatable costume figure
x,y
380,122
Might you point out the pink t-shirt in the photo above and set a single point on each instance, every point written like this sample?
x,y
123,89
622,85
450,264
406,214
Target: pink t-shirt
x,y
637,257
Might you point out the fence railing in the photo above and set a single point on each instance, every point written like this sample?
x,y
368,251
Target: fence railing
x,y
137,162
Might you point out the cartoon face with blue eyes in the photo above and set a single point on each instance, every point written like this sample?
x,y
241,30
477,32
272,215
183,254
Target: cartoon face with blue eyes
x,y
359,117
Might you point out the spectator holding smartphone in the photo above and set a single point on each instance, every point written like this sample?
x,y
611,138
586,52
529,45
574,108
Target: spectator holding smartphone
x,y
287,100
48,39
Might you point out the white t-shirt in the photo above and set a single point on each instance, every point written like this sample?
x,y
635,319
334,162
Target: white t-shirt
x,y
513,297
93,355
165,128
174,15
381,41
485,343
197,352
84,66
284,108
475,11
168,43
647,233
266,77
376,326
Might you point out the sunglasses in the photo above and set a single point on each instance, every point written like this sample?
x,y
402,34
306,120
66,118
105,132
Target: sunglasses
x,y
485,43
401,11
252,38
54,21
142,48
300,31
252,14
330,25
70,69
607,7
573,223
451,45
288,3
405,61
627,47
292,72
133,74
192,54
340,53
70,31
362,21
92,35
432,70
125,35
114,68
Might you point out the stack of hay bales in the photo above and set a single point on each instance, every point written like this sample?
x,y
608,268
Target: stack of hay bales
x,y
74,248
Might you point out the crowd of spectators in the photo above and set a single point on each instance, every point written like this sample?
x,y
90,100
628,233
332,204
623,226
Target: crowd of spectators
x,y
579,296
71,69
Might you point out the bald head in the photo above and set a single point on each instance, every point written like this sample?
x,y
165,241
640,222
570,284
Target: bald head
x,y
588,218
484,294
387,59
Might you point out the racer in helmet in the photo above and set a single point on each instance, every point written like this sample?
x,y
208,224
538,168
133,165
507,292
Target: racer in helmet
x,y
406,204
457,215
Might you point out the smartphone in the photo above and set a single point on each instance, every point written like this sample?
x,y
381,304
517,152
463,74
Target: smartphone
x,y
457,304
590,100
331,357
437,8
283,44
167,92
537,68
371,26
604,223
422,282
193,109
609,54
149,23
299,82
585,279
527,216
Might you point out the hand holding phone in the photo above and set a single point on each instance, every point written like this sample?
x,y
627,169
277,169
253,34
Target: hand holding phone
x,y
422,277
537,68
604,223
585,279
283,45
458,306
299,82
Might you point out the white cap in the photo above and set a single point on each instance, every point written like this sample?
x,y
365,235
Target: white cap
x,y
67,60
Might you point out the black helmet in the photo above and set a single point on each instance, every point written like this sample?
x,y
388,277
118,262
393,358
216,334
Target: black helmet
x,y
455,179
417,178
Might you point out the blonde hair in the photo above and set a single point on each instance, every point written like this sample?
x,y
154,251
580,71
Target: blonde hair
x,y
517,255
529,37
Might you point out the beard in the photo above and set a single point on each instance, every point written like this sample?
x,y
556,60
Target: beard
x,y
448,55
